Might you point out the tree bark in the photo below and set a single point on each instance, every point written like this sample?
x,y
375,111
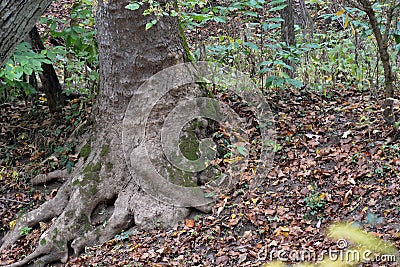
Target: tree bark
x,y
50,82
17,18
288,34
128,56
307,21
382,42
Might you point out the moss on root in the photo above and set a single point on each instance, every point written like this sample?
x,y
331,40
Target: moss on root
x,y
180,177
91,178
104,150
189,146
85,151
109,166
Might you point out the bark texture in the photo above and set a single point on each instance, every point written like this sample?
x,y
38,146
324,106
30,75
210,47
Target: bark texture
x,y
383,43
17,18
50,82
128,56
288,34
382,40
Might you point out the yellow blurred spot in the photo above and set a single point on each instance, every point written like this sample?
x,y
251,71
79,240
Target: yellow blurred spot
x,y
12,224
340,12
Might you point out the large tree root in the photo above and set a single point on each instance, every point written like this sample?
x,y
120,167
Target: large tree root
x,y
76,220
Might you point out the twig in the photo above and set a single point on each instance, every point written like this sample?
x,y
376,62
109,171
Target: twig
x,y
12,200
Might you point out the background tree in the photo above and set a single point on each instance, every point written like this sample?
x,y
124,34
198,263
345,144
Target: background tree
x,y
288,34
382,41
128,55
50,83
17,18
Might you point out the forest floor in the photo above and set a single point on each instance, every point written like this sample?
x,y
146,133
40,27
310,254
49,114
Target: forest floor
x,y
337,161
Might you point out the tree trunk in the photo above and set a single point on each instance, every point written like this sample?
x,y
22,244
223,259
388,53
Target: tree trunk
x,y
50,83
288,34
384,55
17,18
307,21
128,56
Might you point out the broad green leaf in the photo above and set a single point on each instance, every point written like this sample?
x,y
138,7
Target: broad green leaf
x,y
277,8
275,2
151,24
251,45
219,19
295,83
133,6
242,150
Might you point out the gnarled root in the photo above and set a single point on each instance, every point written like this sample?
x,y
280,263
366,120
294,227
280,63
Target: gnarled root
x,y
76,224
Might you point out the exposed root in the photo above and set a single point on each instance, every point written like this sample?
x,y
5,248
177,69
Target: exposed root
x,y
41,257
45,212
59,175
121,218
45,178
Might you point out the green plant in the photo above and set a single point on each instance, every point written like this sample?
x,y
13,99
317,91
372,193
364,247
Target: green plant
x,y
25,231
76,53
23,62
64,152
122,236
315,202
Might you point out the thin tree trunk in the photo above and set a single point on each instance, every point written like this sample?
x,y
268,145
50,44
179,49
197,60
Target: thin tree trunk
x,y
50,82
384,55
17,18
288,35
307,20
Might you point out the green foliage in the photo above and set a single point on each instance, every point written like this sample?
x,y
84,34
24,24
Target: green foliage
x,y
25,231
77,53
64,152
122,236
326,59
85,151
315,202
22,63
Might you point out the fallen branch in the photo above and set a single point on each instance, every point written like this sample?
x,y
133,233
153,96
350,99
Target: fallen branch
x,y
13,200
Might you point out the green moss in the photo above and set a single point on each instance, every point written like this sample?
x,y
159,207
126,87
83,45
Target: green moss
x,y
180,177
212,109
85,151
188,56
96,167
90,177
93,190
55,233
42,242
109,166
83,223
189,146
92,168
104,151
